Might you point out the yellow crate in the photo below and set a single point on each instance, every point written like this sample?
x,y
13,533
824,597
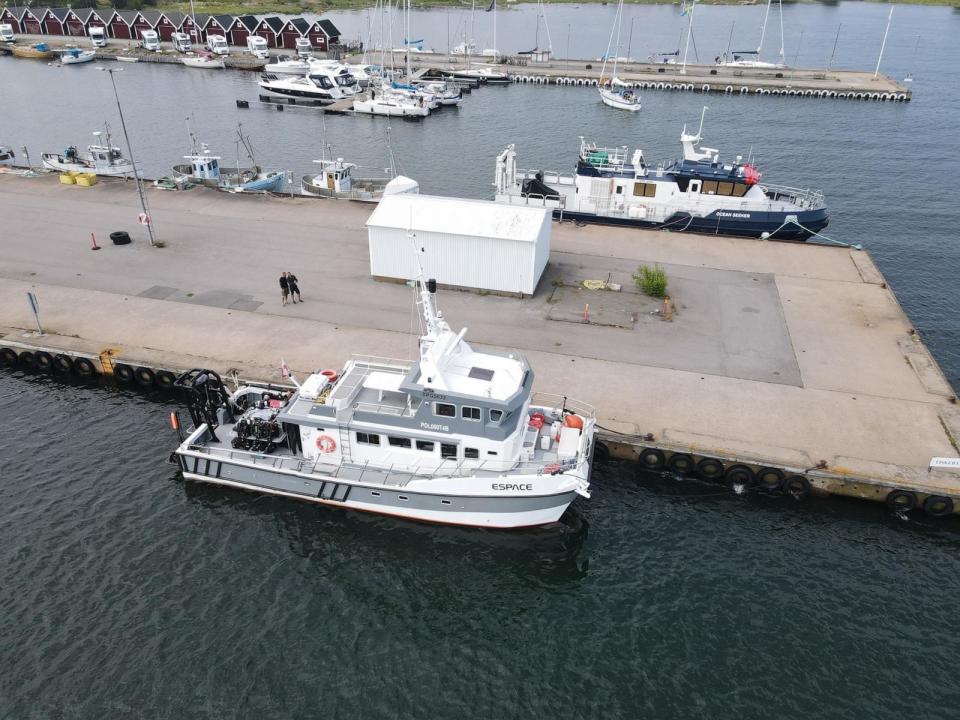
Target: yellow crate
x,y
86,179
67,179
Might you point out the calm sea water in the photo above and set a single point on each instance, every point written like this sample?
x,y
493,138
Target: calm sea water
x,y
128,593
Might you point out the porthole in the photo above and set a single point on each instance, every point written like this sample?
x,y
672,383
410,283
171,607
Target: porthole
x,y
444,502
375,493
403,497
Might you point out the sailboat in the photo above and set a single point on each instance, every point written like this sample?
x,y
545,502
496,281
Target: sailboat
x,y
751,58
539,54
616,93
485,73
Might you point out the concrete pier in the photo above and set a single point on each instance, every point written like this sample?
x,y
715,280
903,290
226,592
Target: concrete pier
x,y
780,355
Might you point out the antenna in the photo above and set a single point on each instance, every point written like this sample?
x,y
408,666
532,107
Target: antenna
x,y
702,115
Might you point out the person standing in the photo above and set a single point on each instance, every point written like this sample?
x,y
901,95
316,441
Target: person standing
x,y
294,287
284,288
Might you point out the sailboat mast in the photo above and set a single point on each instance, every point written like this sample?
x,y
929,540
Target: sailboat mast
x,y
763,29
884,43
782,58
686,48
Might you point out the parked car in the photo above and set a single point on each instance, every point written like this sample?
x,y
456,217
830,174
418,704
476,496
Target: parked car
x,y
217,44
150,40
98,36
181,42
304,48
257,46
6,33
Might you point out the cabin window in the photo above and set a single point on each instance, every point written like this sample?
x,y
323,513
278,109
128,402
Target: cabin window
x,y
619,189
470,413
471,453
725,188
375,493
491,452
641,189
495,415
448,451
425,445
399,442
368,438
709,187
444,410
739,190
444,502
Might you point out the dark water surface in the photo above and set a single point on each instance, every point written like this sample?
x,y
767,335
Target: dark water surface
x,y
127,593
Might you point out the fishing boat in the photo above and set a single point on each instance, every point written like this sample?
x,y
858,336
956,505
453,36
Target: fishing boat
x,y
391,103
37,51
456,436
204,62
614,92
74,56
325,84
697,193
336,181
101,158
204,168
7,154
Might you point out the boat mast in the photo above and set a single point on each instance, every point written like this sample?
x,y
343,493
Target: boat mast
x,y
686,49
884,43
496,55
606,55
763,29
783,60
406,40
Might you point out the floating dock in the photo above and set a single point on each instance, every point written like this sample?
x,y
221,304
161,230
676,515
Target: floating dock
x,y
781,364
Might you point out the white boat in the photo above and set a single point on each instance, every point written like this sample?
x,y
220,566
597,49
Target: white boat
x,y
100,158
751,58
336,181
326,83
205,169
295,66
614,92
126,58
485,74
204,62
7,154
391,103
456,436
74,56
444,93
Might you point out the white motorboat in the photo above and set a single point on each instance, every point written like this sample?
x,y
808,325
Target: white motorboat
x,y
74,56
295,66
485,74
391,103
457,436
204,62
614,92
325,83
444,93
101,158
336,180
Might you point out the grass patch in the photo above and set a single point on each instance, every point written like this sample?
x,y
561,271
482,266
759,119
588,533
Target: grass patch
x,y
651,280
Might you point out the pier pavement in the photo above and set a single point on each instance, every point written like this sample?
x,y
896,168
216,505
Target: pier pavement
x,y
790,355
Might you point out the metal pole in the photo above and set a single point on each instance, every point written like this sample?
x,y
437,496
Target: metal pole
x,y
884,43
136,175
834,52
568,46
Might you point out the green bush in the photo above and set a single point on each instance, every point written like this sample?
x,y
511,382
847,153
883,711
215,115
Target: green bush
x,y
652,280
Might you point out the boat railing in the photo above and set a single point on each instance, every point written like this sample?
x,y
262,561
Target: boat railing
x,y
374,362
562,402
804,197
387,409
546,176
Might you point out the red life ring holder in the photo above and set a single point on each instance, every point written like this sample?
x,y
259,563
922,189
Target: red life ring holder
x,y
326,444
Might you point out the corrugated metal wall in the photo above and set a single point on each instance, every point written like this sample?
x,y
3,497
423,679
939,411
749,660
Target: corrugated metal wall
x,y
461,260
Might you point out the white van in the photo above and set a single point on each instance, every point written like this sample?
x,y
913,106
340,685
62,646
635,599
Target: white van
x,y
181,42
6,33
150,40
304,48
257,46
217,44
98,36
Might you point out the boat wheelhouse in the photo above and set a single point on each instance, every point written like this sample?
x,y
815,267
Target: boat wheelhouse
x,y
697,193
456,436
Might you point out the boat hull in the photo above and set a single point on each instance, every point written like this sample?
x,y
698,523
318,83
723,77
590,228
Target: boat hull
x,y
83,57
371,107
31,53
202,64
502,511
720,222
614,100
55,162
273,182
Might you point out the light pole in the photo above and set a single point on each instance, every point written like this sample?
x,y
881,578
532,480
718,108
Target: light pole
x,y
136,175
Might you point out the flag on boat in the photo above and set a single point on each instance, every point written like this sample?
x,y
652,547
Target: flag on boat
x,y
493,5
686,8
284,369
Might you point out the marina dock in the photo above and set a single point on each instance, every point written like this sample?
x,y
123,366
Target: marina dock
x,y
774,359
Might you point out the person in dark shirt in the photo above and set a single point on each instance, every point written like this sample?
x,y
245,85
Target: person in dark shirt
x,y
294,287
284,288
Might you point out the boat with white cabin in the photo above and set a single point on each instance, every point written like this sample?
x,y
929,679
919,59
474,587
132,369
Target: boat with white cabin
x,y
613,91
75,56
101,158
204,168
391,103
456,436
324,84
695,194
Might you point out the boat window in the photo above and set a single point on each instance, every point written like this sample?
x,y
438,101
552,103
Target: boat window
x,y
619,189
495,415
368,438
375,493
480,374
444,410
444,502
739,190
471,453
491,452
682,184
709,187
470,413
424,445
725,188
399,442
448,451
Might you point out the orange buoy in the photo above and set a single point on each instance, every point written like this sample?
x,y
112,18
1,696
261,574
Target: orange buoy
x,y
537,419
573,421
326,444
330,375
174,421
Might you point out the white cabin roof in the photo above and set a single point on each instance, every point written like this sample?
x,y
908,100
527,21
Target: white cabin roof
x,y
456,216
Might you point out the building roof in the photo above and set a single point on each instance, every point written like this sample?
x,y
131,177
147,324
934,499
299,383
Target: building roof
x,y
85,13
250,22
275,23
176,18
38,12
129,16
59,13
456,216
16,11
329,28
301,25
152,16
200,19
225,21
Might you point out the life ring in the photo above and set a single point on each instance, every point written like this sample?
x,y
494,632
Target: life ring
x,y
681,463
326,444
537,419
330,375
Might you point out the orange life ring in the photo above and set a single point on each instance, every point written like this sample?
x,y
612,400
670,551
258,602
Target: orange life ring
x,y
326,444
537,419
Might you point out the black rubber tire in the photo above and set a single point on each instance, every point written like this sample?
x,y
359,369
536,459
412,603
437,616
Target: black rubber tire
x,y
796,486
770,478
27,360
710,469
123,373
651,459
938,506
901,500
166,379
63,363
681,463
8,356
43,361
84,367
120,237
144,377
739,475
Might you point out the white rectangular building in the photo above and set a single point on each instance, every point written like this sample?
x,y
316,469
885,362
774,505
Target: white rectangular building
x,y
465,243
